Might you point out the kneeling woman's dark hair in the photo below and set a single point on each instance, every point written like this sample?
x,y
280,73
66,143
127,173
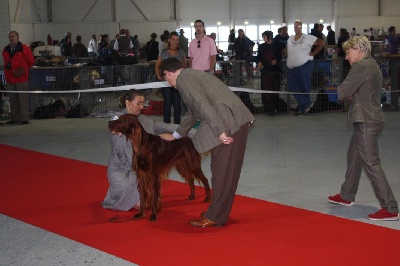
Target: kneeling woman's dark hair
x,y
129,95
171,65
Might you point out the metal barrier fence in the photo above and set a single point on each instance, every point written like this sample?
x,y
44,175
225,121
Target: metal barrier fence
x,y
328,74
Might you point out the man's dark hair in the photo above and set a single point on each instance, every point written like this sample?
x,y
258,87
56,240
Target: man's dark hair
x,y
391,29
78,38
268,33
170,65
199,20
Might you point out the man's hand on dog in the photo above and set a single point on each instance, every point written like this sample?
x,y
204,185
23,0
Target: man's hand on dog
x,y
167,136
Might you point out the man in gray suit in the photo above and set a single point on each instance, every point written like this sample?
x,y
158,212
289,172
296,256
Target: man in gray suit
x,y
224,124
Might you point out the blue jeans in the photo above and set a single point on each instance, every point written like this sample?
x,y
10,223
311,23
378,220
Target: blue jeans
x,y
171,98
299,80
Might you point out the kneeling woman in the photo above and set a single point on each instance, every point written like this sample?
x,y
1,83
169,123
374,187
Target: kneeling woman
x,y
123,194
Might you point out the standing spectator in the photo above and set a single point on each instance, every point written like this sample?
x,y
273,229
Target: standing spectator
x,y
280,40
393,41
49,40
123,45
371,34
161,45
92,46
268,63
202,50
183,42
18,59
152,51
112,42
331,36
136,45
317,32
244,51
300,66
79,49
102,47
343,37
362,88
353,32
170,95
66,35
66,47
231,41
165,42
224,125
103,43
128,34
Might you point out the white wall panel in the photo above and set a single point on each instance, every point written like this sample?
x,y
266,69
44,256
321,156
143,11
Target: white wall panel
x,y
309,11
4,27
101,10
390,8
26,11
357,8
78,11
258,11
153,10
210,11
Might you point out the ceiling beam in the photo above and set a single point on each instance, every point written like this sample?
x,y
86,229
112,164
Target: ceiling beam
x,y
140,11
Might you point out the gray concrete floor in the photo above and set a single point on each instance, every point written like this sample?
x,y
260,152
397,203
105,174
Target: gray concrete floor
x,y
295,161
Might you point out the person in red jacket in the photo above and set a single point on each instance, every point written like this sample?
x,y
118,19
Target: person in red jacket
x,y
18,59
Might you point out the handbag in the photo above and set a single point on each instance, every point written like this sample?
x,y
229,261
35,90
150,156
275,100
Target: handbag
x,y
19,71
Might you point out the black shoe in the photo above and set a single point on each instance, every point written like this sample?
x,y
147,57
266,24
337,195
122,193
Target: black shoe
x,y
309,108
299,113
11,122
24,123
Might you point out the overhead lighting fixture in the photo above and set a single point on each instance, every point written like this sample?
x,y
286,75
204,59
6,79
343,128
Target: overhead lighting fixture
x,y
272,22
246,22
219,23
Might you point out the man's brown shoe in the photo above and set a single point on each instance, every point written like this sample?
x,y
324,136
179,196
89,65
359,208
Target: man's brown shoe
x,y
204,222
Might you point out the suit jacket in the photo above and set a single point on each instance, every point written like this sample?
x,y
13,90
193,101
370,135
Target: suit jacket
x,y
362,87
210,101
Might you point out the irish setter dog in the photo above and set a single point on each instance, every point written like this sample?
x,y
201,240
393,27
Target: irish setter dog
x,y
153,159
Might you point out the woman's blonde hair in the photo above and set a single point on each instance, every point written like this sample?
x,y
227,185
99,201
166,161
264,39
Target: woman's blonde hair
x,y
355,42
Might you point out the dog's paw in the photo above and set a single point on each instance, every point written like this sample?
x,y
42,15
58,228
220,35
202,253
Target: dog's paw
x,y
153,217
207,199
191,197
138,216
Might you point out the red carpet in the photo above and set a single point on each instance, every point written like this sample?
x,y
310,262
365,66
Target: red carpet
x,y
63,196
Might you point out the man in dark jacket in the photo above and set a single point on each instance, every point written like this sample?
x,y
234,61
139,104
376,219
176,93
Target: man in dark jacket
x,y
331,36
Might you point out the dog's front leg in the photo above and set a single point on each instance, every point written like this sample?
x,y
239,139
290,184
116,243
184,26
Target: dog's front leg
x,y
156,198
